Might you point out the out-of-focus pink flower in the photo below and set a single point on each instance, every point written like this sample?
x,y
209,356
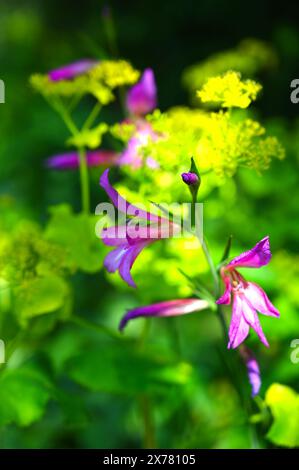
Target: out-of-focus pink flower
x,y
253,369
132,154
127,241
169,308
70,160
248,297
69,71
142,97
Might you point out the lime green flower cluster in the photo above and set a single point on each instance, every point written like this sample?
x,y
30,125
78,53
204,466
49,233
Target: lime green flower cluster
x,y
229,91
249,57
90,138
220,142
100,81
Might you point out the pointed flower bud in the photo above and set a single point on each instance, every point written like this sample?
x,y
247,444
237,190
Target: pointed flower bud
x,y
192,179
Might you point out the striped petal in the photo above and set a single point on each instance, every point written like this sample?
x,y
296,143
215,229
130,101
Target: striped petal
x,y
165,309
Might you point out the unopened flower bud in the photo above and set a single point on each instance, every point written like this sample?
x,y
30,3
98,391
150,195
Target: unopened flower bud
x,y
190,178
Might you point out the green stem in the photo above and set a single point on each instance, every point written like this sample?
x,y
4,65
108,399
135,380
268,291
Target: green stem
x,y
65,116
92,117
83,322
59,106
84,181
148,422
216,287
211,266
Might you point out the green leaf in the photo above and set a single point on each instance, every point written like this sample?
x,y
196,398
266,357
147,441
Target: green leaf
x,y
227,249
125,370
76,233
284,405
24,393
40,296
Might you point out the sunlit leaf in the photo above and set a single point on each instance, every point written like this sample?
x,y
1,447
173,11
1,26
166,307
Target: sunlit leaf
x,y
284,405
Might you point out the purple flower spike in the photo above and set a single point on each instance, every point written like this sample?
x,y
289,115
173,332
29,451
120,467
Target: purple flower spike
x,y
190,178
127,241
142,97
67,72
253,370
70,160
248,297
165,309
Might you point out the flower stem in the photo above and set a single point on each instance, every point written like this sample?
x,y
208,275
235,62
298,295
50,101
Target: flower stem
x,y
84,323
93,115
216,286
59,106
84,181
149,428
211,266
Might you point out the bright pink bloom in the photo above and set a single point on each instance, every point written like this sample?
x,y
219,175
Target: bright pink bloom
x,y
70,160
69,71
127,241
142,97
248,297
169,308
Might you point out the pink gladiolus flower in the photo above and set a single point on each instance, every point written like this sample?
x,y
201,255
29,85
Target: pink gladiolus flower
x,y
70,160
248,297
169,308
67,72
127,241
142,97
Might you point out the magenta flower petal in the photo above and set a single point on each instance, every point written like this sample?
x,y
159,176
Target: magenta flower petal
x,y
122,259
70,160
130,239
258,256
165,309
142,97
115,236
251,317
248,297
121,204
67,72
128,261
254,376
256,296
114,258
239,328
226,297
253,369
